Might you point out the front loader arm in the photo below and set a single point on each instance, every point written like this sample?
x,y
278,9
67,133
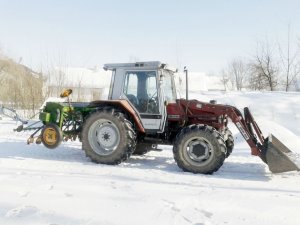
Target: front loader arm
x,y
248,128
246,125
272,151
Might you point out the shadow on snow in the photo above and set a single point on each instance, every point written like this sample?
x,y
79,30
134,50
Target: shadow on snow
x,y
152,161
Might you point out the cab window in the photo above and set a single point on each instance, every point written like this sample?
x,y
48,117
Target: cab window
x,y
140,88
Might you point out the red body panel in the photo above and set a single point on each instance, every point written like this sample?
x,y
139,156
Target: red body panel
x,y
196,112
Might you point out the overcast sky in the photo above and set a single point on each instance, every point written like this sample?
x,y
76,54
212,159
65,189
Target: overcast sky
x,y
204,35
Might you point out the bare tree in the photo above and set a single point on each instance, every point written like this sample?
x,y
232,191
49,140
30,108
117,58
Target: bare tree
x,y
289,62
79,88
256,81
235,74
2,67
54,70
21,87
225,79
60,80
238,70
34,95
264,69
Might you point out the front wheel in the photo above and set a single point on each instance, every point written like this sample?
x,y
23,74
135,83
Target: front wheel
x,y
199,149
108,138
229,142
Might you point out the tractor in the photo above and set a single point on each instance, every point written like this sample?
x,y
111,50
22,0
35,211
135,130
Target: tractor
x,y
143,111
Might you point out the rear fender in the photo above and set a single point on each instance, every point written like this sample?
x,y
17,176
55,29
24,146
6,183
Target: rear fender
x,y
125,106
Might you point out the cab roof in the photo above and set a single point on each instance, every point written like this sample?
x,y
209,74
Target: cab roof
x,y
139,65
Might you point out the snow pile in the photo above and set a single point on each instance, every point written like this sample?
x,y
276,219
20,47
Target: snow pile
x,y
63,187
198,81
277,113
80,77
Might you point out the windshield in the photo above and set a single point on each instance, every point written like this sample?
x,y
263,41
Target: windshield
x,y
169,87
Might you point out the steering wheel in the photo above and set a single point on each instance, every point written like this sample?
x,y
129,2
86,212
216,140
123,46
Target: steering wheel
x,y
152,106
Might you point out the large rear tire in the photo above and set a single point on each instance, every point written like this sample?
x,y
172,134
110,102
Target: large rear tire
x,y
107,137
199,149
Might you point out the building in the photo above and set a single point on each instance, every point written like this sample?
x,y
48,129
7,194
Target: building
x,y
87,84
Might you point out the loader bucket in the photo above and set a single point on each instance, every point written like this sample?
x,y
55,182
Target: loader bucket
x,y
278,157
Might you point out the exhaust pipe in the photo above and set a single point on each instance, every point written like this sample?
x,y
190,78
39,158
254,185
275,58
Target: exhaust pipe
x,y
278,157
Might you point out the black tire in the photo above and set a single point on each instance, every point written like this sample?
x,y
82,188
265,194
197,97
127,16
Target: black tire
x,y
51,136
142,148
229,142
107,137
209,153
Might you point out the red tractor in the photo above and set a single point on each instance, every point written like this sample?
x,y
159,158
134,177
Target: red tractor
x,y
142,111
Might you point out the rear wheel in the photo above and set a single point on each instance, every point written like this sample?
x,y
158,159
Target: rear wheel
x,y
199,149
107,137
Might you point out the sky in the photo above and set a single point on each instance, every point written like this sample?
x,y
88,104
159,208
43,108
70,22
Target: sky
x,y
202,35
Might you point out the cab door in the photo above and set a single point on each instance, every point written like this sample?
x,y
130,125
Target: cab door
x,y
142,89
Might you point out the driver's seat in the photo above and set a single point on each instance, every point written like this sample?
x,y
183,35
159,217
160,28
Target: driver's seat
x,y
142,107
133,100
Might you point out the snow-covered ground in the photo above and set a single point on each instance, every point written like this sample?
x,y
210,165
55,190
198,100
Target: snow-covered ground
x,y
62,186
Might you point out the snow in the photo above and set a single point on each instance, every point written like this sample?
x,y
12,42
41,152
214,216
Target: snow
x,y
62,186
200,81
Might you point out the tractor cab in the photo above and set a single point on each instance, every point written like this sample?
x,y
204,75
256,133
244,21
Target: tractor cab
x,y
148,87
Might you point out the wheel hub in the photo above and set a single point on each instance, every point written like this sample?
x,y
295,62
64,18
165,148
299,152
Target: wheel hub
x,y
198,150
104,137
107,136
50,136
